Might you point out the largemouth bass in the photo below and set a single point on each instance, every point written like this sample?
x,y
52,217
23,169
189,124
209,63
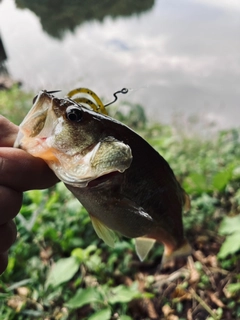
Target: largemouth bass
x,y
125,185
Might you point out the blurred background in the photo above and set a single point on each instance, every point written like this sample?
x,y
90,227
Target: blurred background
x,y
180,61
181,58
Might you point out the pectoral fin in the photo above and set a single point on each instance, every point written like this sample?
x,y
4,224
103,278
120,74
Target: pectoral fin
x,y
104,233
143,246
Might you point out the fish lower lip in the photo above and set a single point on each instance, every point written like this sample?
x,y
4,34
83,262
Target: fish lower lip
x,y
17,143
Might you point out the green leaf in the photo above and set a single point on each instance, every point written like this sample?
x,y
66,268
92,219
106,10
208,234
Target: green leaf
x,y
35,196
62,271
104,314
83,254
90,249
195,182
230,245
221,179
123,317
54,198
19,284
123,294
79,254
84,296
233,287
230,225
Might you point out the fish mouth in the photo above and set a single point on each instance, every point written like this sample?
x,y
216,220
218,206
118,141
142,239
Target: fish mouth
x,y
43,134
38,124
40,107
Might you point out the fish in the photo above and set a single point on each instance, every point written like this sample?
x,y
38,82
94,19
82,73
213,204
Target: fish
x,y
126,186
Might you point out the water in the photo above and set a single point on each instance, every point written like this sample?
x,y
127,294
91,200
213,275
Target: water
x,y
181,58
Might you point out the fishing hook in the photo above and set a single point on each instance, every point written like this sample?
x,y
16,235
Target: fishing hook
x,y
124,91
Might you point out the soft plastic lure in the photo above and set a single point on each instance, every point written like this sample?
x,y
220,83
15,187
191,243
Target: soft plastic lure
x,y
92,100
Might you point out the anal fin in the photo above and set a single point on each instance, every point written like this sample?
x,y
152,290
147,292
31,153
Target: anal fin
x,y
143,246
103,232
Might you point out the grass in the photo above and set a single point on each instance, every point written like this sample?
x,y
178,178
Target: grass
x,y
59,269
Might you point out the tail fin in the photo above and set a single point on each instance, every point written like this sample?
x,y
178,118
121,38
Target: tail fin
x,y
184,250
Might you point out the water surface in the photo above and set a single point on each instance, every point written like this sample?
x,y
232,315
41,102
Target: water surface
x,y
181,58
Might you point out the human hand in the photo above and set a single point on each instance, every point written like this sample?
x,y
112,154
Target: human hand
x,y
19,171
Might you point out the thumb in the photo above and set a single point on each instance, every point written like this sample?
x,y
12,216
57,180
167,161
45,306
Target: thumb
x,y
21,171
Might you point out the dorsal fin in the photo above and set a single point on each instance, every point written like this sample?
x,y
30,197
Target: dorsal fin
x,y
143,246
104,233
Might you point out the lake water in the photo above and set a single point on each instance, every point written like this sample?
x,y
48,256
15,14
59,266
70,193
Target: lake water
x,y
180,58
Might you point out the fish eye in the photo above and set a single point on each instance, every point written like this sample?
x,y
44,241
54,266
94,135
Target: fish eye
x,y
74,114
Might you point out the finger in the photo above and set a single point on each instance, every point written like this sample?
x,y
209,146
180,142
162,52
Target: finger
x,y
10,204
27,172
8,233
8,132
3,262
